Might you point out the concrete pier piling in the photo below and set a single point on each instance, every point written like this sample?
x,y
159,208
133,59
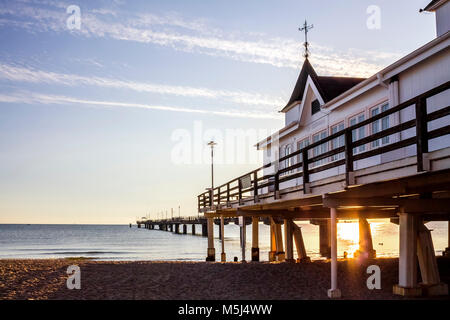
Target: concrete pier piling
x,y
416,244
193,229
273,246
204,230
407,265
431,283
211,253
365,250
299,244
334,292
280,254
223,256
324,238
288,240
184,229
255,240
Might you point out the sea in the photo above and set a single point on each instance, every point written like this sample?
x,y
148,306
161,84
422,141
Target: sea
x,y
122,242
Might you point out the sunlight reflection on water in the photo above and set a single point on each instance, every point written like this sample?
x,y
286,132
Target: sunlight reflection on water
x,y
118,242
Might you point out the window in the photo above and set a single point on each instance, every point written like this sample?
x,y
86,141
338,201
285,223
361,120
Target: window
x,y
320,149
358,133
380,125
301,145
315,107
287,151
337,142
284,151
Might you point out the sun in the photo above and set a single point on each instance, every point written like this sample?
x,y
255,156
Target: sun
x,y
348,233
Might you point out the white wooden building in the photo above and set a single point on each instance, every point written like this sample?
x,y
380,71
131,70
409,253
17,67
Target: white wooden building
x,y
320,106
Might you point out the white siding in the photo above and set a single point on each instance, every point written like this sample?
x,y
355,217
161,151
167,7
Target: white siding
x,y
292,115
443,19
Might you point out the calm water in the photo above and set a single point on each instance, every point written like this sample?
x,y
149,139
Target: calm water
x,y
117,242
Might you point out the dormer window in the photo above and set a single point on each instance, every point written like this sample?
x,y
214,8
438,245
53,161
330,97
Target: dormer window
x,y
315,107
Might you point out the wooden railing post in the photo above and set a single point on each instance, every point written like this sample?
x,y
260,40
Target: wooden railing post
x,y
228,194
240,190
421,134
211,197
204,201
198,203
276,186
349,173
218,196
255,186
305,167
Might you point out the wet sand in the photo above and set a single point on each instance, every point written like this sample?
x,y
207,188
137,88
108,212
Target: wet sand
x,y
46,279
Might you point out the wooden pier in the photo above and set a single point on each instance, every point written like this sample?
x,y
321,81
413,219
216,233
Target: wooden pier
x,y
179,225
410,190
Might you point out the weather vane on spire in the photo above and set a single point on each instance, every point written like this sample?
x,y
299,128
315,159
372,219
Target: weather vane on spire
x,y
306,44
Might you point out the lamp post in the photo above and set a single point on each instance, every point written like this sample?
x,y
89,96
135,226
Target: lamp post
x,y
211,253
212,144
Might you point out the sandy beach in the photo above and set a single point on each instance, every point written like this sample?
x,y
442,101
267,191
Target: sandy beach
x,y
46,279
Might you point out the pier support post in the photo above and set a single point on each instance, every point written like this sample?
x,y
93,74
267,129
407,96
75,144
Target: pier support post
x,y
407,264
139,225
193,228
365,250
204,230
279,243
255,235
177,228
334,292
243,227
184,229
299,244
211,254
324,238
431,282
223,256
288,239
273,246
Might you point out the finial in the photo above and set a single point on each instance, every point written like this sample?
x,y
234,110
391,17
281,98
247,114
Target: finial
x,y
306,28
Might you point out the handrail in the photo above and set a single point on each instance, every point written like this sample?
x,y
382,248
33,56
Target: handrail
x,y
224,192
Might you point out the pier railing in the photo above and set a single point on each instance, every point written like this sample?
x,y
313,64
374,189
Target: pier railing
x,y
308,160
185,219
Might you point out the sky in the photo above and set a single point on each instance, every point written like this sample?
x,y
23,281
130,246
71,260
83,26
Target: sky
x,y
106,106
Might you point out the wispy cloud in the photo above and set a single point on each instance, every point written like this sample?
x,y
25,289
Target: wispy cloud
x,y
22,74
39,98
194,36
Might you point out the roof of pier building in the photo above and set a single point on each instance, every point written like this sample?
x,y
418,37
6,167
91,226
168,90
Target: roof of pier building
x,y
328,87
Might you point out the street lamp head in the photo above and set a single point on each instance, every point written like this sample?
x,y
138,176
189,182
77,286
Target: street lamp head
x,y
212,143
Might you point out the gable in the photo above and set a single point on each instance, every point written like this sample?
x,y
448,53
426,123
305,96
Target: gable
x,y
310,94
327,87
